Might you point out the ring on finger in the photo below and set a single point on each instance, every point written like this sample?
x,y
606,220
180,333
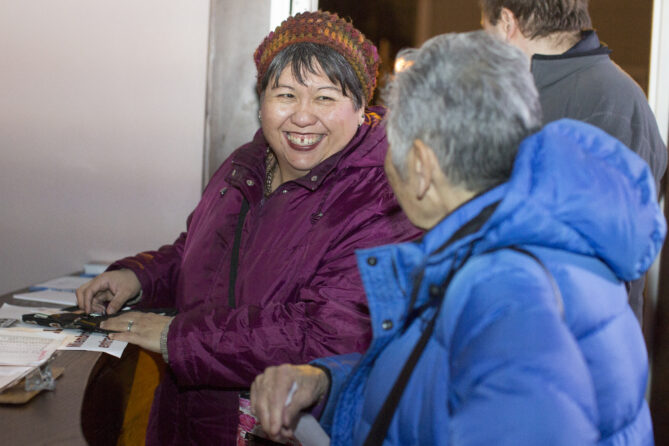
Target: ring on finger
x,y
129,326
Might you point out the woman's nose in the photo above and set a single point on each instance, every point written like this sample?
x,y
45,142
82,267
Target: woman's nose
x,y
304,116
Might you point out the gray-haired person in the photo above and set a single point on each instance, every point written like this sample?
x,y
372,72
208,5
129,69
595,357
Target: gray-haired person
x,y
577,79
501,325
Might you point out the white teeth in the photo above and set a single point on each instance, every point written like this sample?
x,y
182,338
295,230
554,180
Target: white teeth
x,y
303,140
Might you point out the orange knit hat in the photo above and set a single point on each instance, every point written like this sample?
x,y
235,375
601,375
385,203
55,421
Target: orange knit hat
x,y
328,29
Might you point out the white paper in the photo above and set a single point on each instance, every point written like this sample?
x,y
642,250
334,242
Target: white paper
x,y
8,311
93,342
76,339
49,296
9,375
21,347
65,283
309,432
95,269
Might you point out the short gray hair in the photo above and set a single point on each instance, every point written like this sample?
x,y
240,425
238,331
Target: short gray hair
x,y
471,98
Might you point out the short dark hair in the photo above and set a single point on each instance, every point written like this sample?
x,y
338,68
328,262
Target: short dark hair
x,y
540,18
302,58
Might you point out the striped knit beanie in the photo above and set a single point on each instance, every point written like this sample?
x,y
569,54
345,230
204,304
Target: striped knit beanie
x,y
327,29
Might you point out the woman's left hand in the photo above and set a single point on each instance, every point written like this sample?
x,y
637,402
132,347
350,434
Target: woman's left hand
x,y
137,327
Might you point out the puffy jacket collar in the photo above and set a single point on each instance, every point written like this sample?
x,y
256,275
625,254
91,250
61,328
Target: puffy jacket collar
x,y
603,205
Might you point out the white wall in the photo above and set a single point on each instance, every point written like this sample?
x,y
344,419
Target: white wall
x,y
101,129
658,88
658,97
236,30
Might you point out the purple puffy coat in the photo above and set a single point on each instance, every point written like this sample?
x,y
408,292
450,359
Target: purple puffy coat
x,y
298,293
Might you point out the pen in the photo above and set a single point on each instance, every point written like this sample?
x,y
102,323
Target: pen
x,y
291,392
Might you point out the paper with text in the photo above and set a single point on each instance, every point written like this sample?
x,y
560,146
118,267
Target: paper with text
x,y
76,339
93,342
19,347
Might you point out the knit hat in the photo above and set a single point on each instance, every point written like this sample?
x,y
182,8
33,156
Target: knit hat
x,y
327,29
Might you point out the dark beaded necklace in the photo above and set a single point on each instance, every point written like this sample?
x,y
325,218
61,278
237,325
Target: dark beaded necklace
x,y
270,165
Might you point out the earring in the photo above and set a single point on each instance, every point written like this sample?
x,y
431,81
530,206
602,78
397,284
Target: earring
x,y
259,116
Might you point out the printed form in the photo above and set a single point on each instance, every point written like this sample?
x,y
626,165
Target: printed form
x,y
75,339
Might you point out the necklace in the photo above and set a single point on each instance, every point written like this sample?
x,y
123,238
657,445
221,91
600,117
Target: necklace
x,y
270,164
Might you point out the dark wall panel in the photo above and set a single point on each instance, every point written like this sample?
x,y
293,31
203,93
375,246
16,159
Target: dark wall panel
x,y
392,24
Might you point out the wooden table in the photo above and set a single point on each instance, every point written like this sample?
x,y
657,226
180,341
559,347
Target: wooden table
x,y
87,406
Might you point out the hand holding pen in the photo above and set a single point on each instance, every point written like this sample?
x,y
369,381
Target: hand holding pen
x,y
279,394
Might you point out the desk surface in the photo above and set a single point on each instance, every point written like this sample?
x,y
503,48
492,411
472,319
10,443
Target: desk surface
x,y
86,407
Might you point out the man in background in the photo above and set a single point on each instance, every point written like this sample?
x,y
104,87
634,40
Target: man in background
x,y
577,79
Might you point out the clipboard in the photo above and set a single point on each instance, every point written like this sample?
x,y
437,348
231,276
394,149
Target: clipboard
x,y
17,393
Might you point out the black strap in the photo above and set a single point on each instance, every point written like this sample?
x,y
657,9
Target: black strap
x,y
234,261
379,429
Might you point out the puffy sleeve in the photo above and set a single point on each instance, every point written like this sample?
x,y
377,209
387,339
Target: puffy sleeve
x,y
518,376
338,368
227,347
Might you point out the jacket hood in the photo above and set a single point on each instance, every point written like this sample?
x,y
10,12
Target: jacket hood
x,y
575,188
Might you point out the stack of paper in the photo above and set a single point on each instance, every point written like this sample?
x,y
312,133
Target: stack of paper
x,y
92,269
21,351
65,283
24,347
67,298
74,339
60,291
20,347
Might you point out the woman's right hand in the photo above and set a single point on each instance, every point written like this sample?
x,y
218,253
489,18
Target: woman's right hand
x,y
116,287
270,390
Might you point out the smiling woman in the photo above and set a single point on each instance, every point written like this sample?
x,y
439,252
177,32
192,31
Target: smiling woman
x,y
266,271
307,120
312,92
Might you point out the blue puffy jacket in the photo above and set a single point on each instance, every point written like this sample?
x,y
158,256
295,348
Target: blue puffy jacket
x,y
512,361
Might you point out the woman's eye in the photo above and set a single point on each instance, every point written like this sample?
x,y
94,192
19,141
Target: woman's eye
x,y
325,98
286,95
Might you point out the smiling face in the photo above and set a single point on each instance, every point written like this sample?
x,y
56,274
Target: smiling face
x,y
306,124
